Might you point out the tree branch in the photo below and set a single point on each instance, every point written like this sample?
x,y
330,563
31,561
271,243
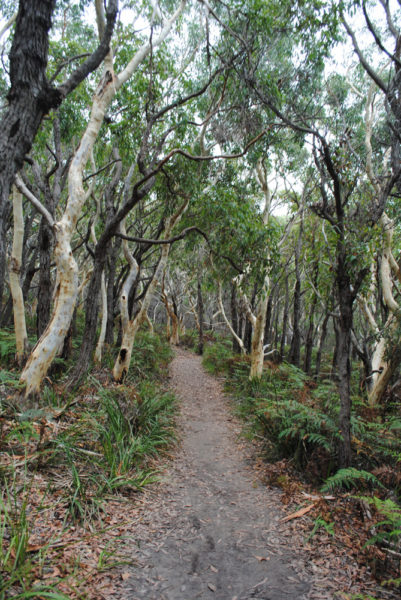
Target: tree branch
x,y
33,200
376,78
96,57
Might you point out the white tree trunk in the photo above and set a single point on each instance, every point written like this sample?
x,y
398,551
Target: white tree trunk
x,y
14,268
257,353
122,363
382,369
67,270
227,322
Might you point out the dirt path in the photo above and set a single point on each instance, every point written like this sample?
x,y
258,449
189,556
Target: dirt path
x,y
212,530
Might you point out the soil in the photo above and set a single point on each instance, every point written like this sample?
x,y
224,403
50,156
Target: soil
x,y
212,528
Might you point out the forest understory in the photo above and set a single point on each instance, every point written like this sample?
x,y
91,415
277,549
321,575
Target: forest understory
x,y
90,509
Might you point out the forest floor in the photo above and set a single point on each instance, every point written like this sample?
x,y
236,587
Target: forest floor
x,y
212,528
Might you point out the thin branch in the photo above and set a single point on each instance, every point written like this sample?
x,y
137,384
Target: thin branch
x,y
112,162
34,201
376,78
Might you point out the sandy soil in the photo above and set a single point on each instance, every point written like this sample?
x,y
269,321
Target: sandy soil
x,y
212,529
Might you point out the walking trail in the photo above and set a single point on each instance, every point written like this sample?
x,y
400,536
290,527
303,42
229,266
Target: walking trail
x,y
212,530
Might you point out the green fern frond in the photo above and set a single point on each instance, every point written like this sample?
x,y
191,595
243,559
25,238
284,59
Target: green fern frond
x,y
349,478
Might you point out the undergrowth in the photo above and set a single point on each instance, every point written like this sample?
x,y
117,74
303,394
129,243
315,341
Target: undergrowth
x,y
295,420
86,450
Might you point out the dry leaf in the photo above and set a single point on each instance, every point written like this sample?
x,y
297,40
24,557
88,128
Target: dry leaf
x,y
211,587
299,513
260,558
125,576
212,568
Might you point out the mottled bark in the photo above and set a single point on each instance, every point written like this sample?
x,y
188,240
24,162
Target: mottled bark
x,y
30,96
21,337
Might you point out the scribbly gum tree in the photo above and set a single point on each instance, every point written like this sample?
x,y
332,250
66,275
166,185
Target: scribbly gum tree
x,y
130,326
259,319
14,268
31,95
385,270
67,270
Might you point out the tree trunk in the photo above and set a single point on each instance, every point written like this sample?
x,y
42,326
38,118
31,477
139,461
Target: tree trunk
x,y
309,338
200,316
346,298
45,284
102,335
267,333
321,344
29,98
285,320
295,349
21,337
234,319
110,293
65,298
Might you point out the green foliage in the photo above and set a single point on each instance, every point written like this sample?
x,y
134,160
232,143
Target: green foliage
x,y
283,408
216,356
390,526
321,523
150,356
126,428
7,345
17,563
350,478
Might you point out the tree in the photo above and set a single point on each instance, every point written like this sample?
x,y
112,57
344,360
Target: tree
x,y
31,96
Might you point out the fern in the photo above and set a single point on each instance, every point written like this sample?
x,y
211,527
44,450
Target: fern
x,y
349,478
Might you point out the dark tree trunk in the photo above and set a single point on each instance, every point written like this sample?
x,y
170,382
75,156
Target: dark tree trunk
x,y
295,349
91,318
285,320
267,334
334,363
45,282
310,338
276,331
67,345
30,96
346,300
109,339
200,317
248,336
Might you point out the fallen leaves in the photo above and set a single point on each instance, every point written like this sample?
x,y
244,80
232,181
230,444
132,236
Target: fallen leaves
x,y
299,513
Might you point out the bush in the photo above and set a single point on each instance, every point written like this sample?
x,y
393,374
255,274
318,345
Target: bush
x,y
216,356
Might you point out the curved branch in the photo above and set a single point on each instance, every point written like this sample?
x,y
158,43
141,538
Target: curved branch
x,y
96,57
376,78
33,200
